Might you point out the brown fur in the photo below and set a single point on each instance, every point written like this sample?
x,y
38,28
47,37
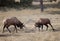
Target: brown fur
x,y
43,21
12,21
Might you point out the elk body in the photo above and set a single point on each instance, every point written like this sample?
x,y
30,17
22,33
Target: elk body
x,y
12,21
43,21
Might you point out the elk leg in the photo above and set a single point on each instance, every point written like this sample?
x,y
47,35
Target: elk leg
x,y
4,28
42,27
8,29
16,29
52,27
47,27
39,28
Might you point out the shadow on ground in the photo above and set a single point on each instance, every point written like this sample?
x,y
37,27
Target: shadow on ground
x,y
5,35
27,31
9,34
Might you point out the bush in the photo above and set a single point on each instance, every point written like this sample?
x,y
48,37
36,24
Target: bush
x,y
26,2
53,0
50,0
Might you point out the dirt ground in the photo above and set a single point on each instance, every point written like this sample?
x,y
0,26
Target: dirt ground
x,y
28,17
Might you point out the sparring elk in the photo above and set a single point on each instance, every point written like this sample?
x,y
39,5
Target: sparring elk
x,y
43,21
12,21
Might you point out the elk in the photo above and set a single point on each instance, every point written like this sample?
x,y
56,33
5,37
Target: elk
x,y
12,21
43,21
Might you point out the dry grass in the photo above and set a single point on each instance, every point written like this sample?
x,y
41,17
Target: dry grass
x,y
28,16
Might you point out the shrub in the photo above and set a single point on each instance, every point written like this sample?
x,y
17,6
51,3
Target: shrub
x,y
26,2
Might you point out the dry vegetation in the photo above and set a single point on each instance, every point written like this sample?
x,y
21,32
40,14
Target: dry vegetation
x,y
28,16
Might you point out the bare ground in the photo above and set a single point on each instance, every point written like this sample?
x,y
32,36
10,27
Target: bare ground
x,y
28,17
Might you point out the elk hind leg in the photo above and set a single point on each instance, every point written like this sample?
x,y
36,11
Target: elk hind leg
x,y
51,26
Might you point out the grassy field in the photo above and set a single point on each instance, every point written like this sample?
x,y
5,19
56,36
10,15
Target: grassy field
x,y
28,16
